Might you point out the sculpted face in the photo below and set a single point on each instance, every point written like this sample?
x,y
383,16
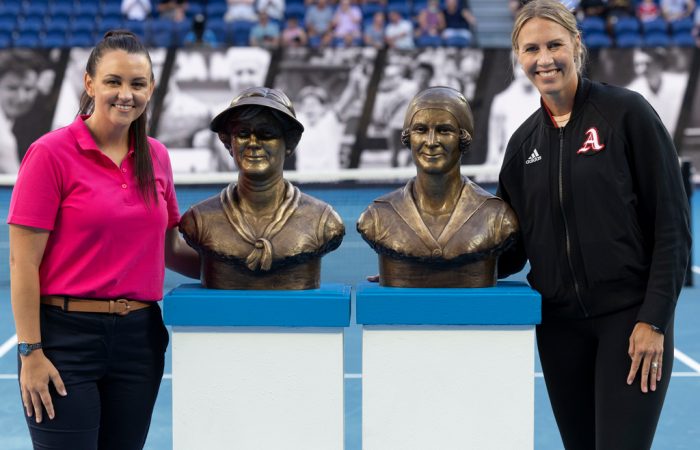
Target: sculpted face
x,y
434,141
258,145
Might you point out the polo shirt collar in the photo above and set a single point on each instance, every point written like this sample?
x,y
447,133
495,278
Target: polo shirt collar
x,y
84,138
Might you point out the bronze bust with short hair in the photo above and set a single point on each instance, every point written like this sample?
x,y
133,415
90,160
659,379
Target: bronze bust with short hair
x,y
440,229
262,232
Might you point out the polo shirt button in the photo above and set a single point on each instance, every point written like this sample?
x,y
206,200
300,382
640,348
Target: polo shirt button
x,y
123,186
437,253
123,170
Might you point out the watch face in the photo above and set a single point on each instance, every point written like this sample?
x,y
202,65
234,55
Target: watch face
x,y
25,349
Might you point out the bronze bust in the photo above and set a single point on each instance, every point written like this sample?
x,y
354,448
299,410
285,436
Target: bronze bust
x,y
440,229
262,232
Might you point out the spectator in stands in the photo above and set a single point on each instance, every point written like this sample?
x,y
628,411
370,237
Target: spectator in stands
x,y
593,8
293,35
317,20
617,9
374,34
274,9
136,9
346,22
673,10
240,10
265,33
200,36
431,20
648,10
381,3
399,32
172,9
458,20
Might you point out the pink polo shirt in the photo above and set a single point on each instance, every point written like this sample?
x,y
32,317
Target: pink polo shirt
x,y
105,242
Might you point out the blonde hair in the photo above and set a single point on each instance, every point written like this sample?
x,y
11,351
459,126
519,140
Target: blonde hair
x,y
556,12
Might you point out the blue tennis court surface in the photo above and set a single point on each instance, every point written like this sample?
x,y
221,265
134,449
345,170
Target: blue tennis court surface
x,y
679,427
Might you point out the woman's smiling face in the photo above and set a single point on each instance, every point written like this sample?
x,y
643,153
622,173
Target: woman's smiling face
x,y
121,87
546,51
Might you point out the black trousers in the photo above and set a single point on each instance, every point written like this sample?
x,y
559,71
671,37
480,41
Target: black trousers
x,y
112,367
585,365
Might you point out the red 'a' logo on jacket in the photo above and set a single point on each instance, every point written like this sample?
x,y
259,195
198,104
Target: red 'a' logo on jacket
x,y
591,144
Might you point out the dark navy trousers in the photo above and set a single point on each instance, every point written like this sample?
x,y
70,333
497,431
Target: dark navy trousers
x,y
112,367
585,365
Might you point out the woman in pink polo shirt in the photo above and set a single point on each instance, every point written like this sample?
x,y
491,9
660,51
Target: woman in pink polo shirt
x,y
92,215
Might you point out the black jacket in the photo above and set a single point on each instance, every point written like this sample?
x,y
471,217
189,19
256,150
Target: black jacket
x,y
602,208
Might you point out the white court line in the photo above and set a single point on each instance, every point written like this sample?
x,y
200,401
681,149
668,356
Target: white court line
x,y
687,360
8,345
696,269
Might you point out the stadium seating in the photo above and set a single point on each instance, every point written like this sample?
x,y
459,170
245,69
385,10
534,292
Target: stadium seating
x,y
219,28
240,32
32,24
54,39
657,40
80,39
64,9
683,25
111,9
428,41
47,19
592,25
655,26
57,24
597,40
626,25
26,39
35,9
217,10
457,41
683,40
629,40
161,33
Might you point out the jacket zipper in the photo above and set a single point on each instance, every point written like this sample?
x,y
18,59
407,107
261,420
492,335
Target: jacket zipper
x,y
566,222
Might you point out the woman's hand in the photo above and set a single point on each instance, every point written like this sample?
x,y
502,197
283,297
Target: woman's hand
x,y
646,350
34,379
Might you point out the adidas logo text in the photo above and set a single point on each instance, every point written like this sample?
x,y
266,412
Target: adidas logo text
x,y
534,157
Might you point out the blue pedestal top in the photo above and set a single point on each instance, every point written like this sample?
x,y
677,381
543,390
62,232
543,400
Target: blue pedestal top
x,y
193,305
509,303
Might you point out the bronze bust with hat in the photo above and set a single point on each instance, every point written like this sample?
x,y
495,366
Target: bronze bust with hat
x,y
261,232
440,229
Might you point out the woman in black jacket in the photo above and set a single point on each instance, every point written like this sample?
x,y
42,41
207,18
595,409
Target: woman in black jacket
x,y
594,179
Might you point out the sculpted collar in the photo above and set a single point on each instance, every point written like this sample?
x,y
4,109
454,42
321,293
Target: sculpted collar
x,y
471,198
261,256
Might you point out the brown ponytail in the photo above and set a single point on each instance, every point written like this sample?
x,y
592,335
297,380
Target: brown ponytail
x,y
128,42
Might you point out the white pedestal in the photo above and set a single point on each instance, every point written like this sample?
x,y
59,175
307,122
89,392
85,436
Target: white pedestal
x,y
442,386
248,387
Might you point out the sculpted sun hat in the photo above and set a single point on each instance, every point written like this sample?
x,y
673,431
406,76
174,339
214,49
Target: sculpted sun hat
x,y
265,97
445,98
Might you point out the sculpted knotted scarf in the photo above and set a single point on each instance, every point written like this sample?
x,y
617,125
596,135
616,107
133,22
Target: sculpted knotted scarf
x,y
261,256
